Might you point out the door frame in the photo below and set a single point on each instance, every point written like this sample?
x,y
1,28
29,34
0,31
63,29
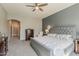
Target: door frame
x,y
10,25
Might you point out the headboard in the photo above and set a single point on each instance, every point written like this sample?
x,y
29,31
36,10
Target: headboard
x,y
64,29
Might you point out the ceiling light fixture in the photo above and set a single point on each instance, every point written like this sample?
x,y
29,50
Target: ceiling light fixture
x,y
37,6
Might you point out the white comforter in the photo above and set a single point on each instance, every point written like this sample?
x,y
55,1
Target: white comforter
x,y
56,46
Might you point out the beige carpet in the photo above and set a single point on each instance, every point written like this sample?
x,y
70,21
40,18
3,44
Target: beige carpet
x,y
20,48
23,48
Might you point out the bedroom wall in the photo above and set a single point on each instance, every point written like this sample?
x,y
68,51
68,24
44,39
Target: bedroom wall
x,y
27,22
3,21
69,15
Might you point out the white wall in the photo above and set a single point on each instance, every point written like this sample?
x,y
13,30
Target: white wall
x,y
27,22
3,21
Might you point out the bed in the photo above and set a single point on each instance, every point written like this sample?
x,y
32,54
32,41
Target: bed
x,y
55,45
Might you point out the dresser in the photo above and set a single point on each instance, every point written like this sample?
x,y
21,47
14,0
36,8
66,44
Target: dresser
x,y
3,46
29,33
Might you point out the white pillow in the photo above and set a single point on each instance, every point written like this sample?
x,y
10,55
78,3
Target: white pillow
x,y
51,35
40,34
63,36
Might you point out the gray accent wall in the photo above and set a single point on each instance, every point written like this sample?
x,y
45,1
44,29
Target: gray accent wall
x,y
68,16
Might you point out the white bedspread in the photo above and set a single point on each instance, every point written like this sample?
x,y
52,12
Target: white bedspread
x,y
55,45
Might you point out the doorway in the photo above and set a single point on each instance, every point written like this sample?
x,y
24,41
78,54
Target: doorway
x,y
14,29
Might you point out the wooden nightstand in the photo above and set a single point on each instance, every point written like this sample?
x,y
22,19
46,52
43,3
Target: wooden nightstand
x,y
44,34
76,46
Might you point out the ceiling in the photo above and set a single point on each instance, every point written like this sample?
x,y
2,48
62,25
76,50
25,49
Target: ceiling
x,y
22,10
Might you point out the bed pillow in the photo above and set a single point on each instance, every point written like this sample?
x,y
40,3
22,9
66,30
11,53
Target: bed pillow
x,y
64,37
51,35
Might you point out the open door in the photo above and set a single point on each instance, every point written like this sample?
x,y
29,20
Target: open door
x,y
14,29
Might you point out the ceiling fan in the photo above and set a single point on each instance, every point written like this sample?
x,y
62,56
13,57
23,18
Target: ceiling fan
x,y
37,6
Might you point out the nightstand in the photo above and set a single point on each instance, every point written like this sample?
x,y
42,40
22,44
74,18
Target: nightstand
x,y
76,46
44,34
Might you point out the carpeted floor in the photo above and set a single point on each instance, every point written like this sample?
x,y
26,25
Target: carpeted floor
x,y
20,48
